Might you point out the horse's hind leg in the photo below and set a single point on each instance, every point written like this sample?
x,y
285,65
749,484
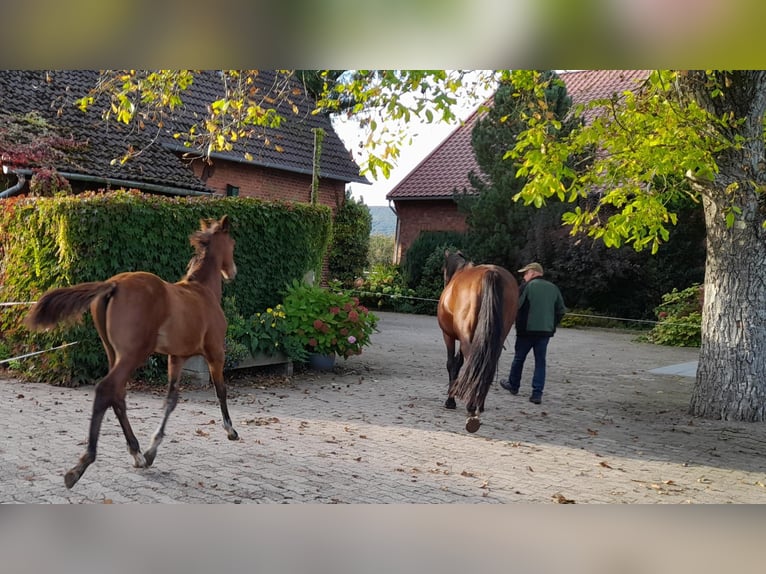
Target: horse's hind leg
x,y
454,363
107,394
98,313
175,364
216,373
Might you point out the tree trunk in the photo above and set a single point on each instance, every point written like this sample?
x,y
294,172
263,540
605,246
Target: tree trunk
x,y
731,377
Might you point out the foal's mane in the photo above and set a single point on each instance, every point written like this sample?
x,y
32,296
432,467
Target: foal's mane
x,y
200,240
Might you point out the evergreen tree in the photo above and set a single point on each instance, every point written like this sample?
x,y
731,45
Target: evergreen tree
x,y
499,228
351,240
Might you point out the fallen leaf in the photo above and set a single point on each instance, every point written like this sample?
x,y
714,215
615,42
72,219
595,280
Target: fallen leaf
x,y
604,464
260,421
592,432
468,474
561,499
200,432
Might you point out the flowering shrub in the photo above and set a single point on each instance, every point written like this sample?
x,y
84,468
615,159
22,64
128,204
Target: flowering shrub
x,y
327,321
310,320
263,333
680,318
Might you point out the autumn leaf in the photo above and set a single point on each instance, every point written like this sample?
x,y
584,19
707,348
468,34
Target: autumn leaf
x,y
561,499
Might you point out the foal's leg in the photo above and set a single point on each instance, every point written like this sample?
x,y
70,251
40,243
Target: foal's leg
x,y
175,364
215,364
110,391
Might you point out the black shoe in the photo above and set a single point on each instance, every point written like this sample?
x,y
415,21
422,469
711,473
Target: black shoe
x,y
536,398
505,383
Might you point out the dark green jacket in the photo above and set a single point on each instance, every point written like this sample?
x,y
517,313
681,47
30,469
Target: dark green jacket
x,y
541,308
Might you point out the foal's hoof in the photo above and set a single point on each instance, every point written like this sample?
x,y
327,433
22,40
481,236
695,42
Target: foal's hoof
x,y
71,478
450,403
149,457
472,424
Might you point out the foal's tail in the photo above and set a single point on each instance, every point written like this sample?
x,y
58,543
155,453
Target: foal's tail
x,y
65,304
477,374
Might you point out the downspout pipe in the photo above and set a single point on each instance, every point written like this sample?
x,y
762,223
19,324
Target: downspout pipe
x,y
16,188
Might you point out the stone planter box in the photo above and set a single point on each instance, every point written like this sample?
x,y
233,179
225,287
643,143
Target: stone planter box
x,y
196,369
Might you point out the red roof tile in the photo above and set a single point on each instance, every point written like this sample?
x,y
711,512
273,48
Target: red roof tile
x,y
446,168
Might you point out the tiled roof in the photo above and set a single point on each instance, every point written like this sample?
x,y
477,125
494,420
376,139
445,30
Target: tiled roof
x,y
446,168
52,95
289,147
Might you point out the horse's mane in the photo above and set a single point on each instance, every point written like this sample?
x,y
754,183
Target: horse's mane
x,y
454,262
200,240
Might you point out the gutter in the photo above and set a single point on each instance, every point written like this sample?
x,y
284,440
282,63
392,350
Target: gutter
x,y
20,173
268,165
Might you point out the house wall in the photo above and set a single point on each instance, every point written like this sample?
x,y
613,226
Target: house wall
x,y
267,184
415,216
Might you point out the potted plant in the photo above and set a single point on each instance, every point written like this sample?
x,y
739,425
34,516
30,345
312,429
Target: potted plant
x,y
264,336
326,322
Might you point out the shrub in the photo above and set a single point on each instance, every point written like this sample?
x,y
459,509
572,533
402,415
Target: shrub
x,y
426,244
680,319
48,182
64,240
383,288
351,240
381,251
327,321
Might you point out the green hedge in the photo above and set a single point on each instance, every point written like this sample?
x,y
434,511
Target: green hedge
x,y
53,242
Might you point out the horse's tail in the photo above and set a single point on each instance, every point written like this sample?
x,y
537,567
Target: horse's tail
x,y
65,304
477,374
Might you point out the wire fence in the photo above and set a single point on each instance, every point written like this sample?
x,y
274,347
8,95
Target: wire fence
x,y
372,294
26,355
369,294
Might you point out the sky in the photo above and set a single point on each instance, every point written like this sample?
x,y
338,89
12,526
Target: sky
x,y
424,137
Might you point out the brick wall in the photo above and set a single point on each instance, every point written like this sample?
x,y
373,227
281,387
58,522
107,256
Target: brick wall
x,y
267,184
431,215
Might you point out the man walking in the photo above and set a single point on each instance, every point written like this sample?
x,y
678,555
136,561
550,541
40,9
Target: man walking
x,y
541,308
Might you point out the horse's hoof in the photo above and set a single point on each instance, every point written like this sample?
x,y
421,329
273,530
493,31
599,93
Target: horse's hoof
x,y
233,435
472,424
71,478
450,403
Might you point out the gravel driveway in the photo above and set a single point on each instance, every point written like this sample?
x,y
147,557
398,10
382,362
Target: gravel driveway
x,y
374,431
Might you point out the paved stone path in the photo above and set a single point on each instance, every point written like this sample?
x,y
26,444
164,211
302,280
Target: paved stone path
x,y
374,431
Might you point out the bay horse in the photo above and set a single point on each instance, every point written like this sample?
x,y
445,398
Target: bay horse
x,y
477,309
137,314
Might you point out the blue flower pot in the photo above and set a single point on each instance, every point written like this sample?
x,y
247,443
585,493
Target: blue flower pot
x,y
320,362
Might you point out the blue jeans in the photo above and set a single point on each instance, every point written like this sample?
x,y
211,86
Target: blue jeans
x,y
523,345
